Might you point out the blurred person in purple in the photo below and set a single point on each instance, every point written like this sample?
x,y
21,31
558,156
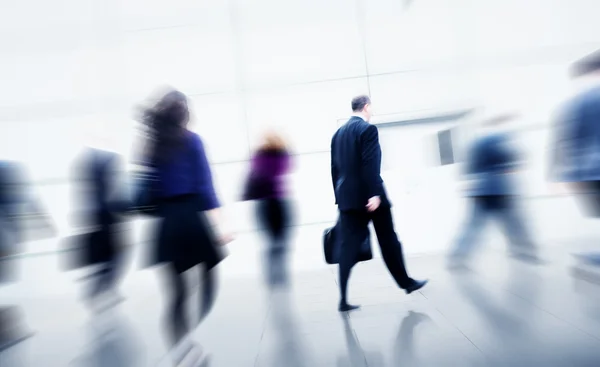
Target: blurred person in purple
x,y
489,164
186,237
575,159
266,185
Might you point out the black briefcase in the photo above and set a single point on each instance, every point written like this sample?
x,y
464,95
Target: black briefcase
x,y
332,246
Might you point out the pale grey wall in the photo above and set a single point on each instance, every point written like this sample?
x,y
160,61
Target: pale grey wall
x,y
293,63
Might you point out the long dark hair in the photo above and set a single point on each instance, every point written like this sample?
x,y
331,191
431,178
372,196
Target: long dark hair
x,y
165,126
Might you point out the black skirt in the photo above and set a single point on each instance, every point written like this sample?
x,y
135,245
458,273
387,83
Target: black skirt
x,y
185,237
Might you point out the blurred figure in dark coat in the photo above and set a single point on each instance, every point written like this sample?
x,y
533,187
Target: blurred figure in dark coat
x,y
270,164
17,205
489,166
101,201
576,146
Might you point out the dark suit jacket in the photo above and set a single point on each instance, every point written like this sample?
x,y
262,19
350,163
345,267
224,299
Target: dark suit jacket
x,y
99,192
356,165
13,194
100,203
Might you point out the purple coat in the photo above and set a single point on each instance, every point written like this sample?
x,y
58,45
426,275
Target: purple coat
x,y
267,170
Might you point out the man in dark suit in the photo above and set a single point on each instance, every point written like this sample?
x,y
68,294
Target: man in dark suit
x,y
361,198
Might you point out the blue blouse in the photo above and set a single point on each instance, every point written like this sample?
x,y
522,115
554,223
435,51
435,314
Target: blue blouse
x,y
188,172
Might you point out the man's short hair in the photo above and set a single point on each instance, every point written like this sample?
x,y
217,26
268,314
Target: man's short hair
x,y
586,65
358,103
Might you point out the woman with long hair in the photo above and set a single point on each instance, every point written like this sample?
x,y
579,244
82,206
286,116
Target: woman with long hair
x,y
185,191
270,164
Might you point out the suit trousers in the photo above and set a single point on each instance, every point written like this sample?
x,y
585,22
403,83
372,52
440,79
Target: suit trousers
x,y
355,227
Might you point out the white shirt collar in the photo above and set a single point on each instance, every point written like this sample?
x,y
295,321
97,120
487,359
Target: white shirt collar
x,y
359,116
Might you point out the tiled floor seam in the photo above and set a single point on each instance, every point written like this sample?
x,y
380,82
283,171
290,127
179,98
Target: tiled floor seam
x,y
262,335
355,335
455,326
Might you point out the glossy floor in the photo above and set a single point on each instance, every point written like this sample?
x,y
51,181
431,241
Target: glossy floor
x,y
500,313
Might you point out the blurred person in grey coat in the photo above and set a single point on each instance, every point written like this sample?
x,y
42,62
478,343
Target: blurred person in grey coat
x,y
17,206
575,158
493,192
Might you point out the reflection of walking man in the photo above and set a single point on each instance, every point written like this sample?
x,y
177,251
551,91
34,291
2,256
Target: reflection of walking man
x,y
361,198
489,165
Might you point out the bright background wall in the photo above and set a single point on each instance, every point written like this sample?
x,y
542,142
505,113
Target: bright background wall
x,y
296,64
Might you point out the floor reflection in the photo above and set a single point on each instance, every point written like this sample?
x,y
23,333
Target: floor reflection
x,y
404,348
113,343
15,356
500,322
15,336
290,349
355,356
524,281
586,283
508,322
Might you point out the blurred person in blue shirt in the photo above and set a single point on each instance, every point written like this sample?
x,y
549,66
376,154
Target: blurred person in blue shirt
x,y
489,165
575,159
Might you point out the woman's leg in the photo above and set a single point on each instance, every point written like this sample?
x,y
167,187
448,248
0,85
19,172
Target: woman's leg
x,y
279,244
176,317
209,291
276,259
272,216
264,220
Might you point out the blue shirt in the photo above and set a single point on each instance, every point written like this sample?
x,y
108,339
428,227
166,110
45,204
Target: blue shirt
x,y
489,162
577,143
188,172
